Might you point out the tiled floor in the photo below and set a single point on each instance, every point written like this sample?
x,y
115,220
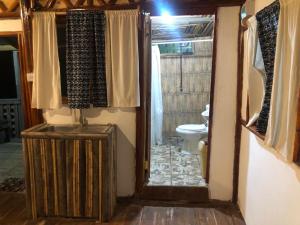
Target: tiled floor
x,y
171,167
11,160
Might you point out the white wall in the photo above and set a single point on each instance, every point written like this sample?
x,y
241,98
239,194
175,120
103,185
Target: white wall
x,y
223,131
269,186
10,25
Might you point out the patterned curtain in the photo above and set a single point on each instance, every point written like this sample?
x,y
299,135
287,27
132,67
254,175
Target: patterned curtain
x,y
267,26
85,62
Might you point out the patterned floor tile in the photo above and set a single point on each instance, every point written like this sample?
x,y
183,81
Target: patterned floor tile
x,y
171,166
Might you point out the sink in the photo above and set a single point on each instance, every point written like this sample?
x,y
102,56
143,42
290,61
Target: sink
x,y
52,128
91,129
47,129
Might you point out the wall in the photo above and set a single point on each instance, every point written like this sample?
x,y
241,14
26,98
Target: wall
x,y
10,25
186,106
224,119
223,130
269,187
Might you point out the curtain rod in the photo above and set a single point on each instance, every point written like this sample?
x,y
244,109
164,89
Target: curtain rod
x,y
244,22
104,7
180,41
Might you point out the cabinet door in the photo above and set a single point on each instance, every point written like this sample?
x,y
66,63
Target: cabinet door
x,y
71,177
45,176
84,171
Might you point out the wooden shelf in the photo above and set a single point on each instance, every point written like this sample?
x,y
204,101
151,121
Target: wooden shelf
x,y
253,130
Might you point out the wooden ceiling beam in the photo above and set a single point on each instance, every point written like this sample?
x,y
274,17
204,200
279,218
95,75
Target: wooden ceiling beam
x,y
68,3
50,4
10,15
102,2
79,3
112,2
13,7
90,3
3,6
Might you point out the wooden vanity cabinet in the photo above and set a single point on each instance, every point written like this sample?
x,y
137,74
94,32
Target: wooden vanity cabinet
x,y
70,172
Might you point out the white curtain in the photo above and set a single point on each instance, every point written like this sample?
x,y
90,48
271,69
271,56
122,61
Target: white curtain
x,y
46,90
122,58
254,71
282,122
156,98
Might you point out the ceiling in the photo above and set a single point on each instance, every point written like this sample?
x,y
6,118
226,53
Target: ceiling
x,y
179,28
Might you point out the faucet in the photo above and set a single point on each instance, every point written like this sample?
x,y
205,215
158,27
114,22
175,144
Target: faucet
x,y
82,120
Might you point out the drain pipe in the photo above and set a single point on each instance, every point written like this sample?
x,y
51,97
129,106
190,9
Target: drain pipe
x,y
181,86
82,119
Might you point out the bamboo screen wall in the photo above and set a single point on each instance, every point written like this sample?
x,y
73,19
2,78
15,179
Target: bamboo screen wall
x,y
186,106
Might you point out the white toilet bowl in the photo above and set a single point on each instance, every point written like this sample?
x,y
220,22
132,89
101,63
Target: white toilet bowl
x,y
191,134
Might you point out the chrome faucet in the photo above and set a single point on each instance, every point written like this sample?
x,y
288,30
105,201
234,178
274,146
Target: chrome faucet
x,y
82,120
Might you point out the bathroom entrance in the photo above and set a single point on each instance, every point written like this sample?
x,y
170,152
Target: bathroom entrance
x,y
181,75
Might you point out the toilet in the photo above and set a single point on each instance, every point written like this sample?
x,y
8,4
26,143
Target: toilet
x,y
193,133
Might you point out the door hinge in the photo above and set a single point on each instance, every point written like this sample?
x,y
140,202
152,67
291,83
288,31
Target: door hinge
x,y
146,165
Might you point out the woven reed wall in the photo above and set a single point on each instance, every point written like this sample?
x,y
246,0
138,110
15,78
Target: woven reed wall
x,y
186,106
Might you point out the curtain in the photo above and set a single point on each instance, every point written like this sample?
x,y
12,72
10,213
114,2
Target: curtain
x,y
156,99
46,93
244,108
122,60
282,123
86,79
254,71
267,25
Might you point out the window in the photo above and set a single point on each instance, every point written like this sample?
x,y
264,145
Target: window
x,y
185,48
9,65
61,40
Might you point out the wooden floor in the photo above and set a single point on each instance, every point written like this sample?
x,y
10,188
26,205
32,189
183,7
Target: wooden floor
x,y
13,212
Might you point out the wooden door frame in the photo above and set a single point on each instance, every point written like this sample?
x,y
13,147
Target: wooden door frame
x,y
175,193
31,116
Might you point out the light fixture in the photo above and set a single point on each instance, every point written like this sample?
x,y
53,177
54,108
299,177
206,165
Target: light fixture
x,y
166,16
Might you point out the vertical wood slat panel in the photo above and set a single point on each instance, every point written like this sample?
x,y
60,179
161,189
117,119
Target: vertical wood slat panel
x,y
96,183
69,163
89,178
106,180
26,146
44,170
55,185
50,177
61,177
38,176
82,177
113,175
74,178
32,178
100,165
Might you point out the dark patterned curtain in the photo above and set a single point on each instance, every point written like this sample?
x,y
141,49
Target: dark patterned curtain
x,y
267,26
85,60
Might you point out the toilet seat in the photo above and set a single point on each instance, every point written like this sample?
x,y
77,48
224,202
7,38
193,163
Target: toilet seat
x,y
192,128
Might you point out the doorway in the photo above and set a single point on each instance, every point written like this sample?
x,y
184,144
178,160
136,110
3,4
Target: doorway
x,y
179,45
182,50
11,116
